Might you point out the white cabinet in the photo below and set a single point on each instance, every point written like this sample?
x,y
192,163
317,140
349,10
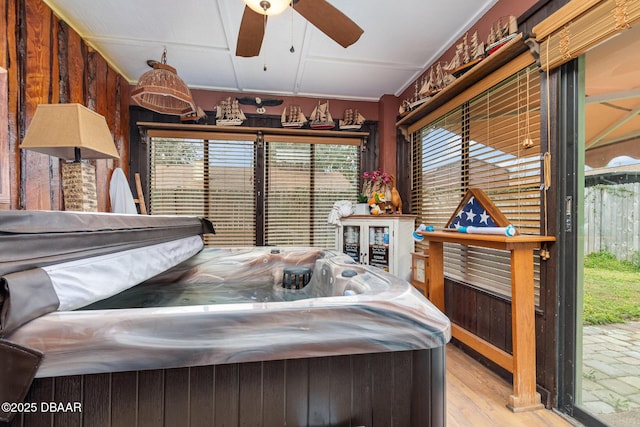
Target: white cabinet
x,y
383,241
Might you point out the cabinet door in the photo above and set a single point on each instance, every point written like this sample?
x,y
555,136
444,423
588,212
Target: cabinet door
x,y
379,245
352,241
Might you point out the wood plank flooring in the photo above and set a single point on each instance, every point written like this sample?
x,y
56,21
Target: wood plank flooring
x,y
477,397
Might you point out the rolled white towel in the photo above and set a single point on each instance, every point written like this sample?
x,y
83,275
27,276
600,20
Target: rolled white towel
x,y
340,208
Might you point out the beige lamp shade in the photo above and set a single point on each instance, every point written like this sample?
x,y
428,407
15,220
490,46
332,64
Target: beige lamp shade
x,y
58,129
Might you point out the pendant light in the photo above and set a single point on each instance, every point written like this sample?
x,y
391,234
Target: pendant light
x,y
162,91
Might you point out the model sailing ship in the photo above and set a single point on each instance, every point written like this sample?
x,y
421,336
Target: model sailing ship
x,y
501,32
432,83
321,117
466,56
352,120
292,117
437,81
228,113
418,97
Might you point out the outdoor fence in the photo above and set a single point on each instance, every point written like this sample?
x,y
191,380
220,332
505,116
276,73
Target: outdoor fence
x,y
612,220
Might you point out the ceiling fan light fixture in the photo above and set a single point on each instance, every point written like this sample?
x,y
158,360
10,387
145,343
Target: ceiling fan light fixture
x,y
268,7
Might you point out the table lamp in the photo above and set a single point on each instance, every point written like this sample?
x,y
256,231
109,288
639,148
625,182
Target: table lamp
x,y
72,132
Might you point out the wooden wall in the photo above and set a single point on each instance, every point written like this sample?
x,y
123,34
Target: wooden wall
x,y
47,62
383,389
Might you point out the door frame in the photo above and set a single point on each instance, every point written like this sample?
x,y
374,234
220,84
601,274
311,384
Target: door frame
x,y
570,154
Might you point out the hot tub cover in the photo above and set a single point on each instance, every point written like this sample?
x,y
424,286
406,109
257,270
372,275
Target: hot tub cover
x,y
31,240
40,253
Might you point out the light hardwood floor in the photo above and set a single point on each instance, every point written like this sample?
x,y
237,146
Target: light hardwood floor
x,y
476,397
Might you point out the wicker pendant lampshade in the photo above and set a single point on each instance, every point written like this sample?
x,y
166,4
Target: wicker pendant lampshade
x,y
162,91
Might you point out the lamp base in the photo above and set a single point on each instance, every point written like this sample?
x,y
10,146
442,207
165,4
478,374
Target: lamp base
x,y
79,187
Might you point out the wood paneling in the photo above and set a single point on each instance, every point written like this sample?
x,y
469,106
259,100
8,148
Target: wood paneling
x,y
150,399
395,388
36,183
124,404
5,189
48,62
97,393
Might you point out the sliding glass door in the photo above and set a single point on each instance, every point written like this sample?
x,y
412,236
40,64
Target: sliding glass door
x,y
600,278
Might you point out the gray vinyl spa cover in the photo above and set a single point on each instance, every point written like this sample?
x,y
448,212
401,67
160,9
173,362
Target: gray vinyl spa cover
x,y
36,245
31,240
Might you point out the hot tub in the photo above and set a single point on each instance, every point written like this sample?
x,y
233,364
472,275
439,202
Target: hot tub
x,y
226,338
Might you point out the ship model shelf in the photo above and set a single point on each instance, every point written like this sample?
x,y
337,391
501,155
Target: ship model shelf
x,y
507,52
178,129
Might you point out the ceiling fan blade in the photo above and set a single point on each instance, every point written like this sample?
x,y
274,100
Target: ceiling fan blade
x,y
329,20
251,33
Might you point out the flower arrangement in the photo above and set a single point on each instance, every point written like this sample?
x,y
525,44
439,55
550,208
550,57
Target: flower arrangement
x,y
375,181
377,186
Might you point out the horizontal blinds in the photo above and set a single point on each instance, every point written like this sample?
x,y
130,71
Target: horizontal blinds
x,y
303,181
438,169
580,25
491,142
504,148
209,178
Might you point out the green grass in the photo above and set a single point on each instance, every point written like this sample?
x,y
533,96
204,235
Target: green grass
x,y
611,289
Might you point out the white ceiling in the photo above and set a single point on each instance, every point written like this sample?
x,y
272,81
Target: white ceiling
x,y
401,39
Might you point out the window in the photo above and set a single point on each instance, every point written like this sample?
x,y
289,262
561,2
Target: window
x,y
276,192
489,142
209,178
302,183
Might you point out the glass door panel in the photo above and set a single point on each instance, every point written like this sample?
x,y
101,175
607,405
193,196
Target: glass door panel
x,y
352,243
608,278
379,247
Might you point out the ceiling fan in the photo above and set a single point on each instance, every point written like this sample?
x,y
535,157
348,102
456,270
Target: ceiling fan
x,y
320,13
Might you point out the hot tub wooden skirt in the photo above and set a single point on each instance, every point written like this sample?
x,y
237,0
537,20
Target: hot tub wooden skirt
x,y
397,388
